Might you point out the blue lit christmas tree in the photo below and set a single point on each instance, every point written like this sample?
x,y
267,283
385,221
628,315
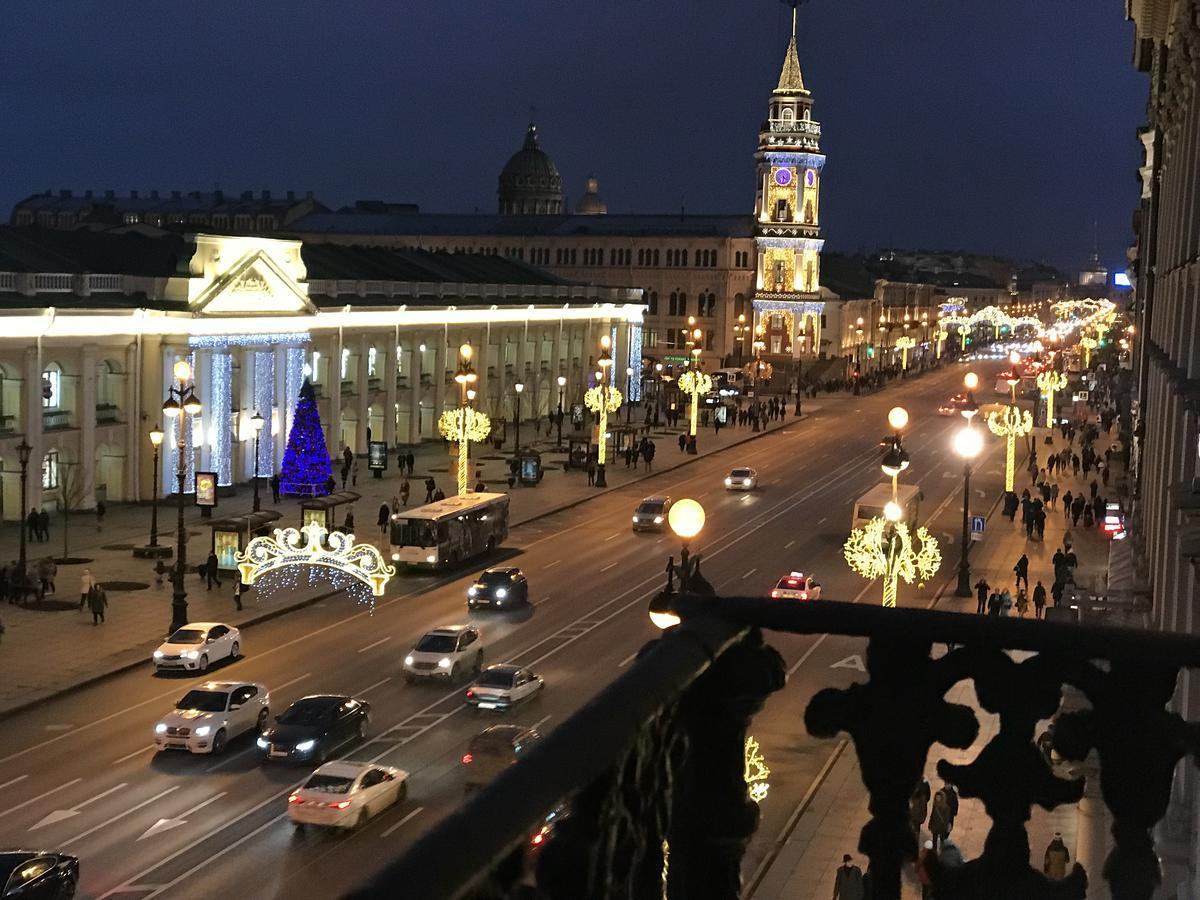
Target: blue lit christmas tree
x,y
306,468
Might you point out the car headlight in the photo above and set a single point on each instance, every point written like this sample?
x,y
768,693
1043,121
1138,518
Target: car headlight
x,y
263,743
158,654
635,518
305,746
658,520
431,559
444,662
203,731
501,593
160,728
408,660
192,654
728,482
471,592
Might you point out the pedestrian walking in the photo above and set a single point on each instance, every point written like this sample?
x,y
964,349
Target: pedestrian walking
x,y
274,482
1006,603
212,570
1022,570
97,603
682,442
411,460
348,522
354,474
237,594
385,515
31,523
981,595
918,807
591,470
1054,495
101,509
670,589
404,492
1068,498
941,819
1022,602
848,883
86,583
430,487
44,524
1039,599
1057,857
924,869
1077,506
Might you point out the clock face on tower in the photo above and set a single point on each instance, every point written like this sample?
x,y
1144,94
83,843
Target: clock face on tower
x,y
783,177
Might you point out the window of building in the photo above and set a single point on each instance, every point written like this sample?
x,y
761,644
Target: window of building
x,y
50,470
656,257
739,305
572,256
650,337
823,325
52,387
652,302
313,376
673,338
132,218
673,307
683,303
345,362
685,258
642,257
371,356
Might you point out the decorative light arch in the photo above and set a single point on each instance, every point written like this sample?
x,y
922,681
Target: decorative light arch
x,y
312,545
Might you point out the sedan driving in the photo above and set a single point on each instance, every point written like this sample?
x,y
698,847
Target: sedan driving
x,y
744,479
346,794
197,645
37,874
499,588
314,727
651,514
797,586
206,718
503,687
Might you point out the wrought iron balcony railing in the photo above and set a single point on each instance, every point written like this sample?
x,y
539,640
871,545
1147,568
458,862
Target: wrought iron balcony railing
x,y
653,766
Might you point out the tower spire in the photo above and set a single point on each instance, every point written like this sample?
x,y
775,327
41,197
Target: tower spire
x,y
790,78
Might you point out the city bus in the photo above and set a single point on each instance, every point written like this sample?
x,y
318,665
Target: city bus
x,y
449,531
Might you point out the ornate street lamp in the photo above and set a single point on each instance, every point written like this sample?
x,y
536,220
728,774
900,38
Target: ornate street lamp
x,y
562,383
603,399
156,439
1049,382
1011,422
181,404
967,444
519,389
256,422
23,452
686,519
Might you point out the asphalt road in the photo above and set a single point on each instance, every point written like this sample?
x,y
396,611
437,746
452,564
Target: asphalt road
x,y
79,773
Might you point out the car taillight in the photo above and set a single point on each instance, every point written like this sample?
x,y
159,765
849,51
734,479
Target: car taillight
x,y
295,798
470,694
538,838
340,805
775,594
468,759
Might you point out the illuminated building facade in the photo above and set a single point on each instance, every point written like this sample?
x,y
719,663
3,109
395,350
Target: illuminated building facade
x,y
87,348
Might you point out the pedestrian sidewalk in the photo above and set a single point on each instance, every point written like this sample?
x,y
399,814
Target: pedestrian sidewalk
x,y
54,647
830,826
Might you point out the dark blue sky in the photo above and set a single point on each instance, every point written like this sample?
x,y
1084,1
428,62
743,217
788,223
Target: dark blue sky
x,y
1002,126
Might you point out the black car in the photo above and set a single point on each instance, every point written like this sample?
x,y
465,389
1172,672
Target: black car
x,y
500,588
313,727
38,875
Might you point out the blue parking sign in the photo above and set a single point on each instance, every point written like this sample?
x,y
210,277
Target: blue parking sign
x,y
978,523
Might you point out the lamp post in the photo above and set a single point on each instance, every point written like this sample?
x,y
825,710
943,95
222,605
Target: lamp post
x,y
740,331
658,392
23,452
465,377
562,383
519,388
628,395
156,439
256,422
180,404
687,522
1010,422
695,384
967,444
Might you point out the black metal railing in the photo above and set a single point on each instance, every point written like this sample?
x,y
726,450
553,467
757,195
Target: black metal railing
x,y
653,767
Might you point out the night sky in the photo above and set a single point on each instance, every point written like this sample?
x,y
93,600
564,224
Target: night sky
x,y
997,126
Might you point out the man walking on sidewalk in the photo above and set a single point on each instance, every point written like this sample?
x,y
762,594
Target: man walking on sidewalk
x,y
97,601
848,885
212,570
1039,599
1022,571
981,595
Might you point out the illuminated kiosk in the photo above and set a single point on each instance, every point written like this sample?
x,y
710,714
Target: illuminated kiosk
x,y
231,535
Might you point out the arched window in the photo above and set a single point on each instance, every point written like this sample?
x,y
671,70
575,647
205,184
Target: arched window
x,y
787,114
674,307
50,470
685,255
656,257
52,386
683,303
345,362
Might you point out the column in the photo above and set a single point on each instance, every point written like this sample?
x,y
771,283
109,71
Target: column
x,y
202,377
33,425
484,359
389,370
414,389
333,428
135,433
441,339
363,385
246,408
276,427
87,427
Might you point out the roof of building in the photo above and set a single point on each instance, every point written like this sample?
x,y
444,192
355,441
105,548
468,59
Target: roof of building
x,y
591,204
349,261
791,81
530,170
477,225
30,248
172,201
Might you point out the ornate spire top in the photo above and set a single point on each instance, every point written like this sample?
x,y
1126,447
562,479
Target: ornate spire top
x,y
790,79
531,138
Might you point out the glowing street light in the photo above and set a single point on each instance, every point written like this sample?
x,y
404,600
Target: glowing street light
x,y
968,444
686,519
1048,382
695,384
904,343
464,424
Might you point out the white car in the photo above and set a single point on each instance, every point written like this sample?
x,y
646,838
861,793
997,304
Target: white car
x,y
346,794
503,687
743,479
197,645
446,652
797,586
207,717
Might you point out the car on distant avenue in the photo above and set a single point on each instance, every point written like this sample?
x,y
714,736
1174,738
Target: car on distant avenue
x,y
796,586
446,652
493,750
741,479
345,794
210,715
651,514
500,586
196,646
503,687
953,406
38,875
315,726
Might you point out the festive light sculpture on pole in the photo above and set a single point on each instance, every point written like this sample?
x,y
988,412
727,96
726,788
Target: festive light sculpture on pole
x,y
695,384
940,337
464,424
1088,343
884,549
904,343
1010,422
1048,382
755,772
603,399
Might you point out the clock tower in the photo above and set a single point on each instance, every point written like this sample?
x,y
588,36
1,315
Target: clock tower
x,y
787,211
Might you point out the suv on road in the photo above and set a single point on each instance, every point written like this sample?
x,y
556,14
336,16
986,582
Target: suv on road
x,y
447,652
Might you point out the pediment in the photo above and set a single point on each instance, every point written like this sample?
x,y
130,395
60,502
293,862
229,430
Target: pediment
x,y
254,286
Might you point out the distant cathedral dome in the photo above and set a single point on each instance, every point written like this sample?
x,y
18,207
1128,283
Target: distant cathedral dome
x,y
590,203
530,183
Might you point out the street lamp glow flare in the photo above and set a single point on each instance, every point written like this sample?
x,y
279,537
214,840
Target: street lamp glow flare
x,y
1010,422
885,550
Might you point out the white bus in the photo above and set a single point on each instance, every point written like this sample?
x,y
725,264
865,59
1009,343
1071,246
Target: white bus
x,y
870,505
449,531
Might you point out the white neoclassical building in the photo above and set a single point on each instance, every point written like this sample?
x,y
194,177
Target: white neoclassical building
x,y
92,324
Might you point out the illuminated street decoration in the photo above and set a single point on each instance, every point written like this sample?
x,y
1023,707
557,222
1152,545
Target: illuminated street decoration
x,y
464,424
313,546
1048,382
1088,343
940,336
883,549
755,771
961,325
1010,422
602,401
758,369
904,343
695,384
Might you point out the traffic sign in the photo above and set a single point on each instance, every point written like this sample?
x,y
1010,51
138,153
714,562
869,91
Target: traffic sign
x,y
978,523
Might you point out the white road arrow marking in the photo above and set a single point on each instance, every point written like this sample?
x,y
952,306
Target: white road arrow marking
x,y
167,824
850,662
982,494
60,815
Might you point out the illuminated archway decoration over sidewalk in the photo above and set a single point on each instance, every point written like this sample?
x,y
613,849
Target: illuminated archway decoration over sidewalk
x,y
312,545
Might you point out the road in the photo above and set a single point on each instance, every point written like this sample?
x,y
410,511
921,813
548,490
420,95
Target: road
x,y
79,773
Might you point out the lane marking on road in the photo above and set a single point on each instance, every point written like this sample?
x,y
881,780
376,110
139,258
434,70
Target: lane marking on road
x,y
280,687
231,757
630,658
552,565
59,727
822,520
809,652
854,661
59,815
13,809
611,565
751,572
119,816
541,721
412,815
13,781
612,537
175,821
788,545
375,644
373,686
540,602
129,756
